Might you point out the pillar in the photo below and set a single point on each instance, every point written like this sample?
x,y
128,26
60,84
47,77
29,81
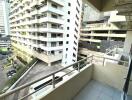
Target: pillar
x,y
128,40
49,64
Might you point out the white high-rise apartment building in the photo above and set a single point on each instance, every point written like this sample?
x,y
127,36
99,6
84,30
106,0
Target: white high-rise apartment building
x,y
4,13
46,29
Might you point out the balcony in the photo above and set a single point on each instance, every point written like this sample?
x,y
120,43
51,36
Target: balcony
x,y
100,26
50,48
51,9
60,2
89,79
50,39
104,35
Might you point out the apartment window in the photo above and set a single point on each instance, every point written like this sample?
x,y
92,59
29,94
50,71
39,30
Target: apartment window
x,y
69,12
74,48
53,35
77,10
54,16
67,35
67,42
54,6
66,56
73,60
53,44
53,52
75,36
60,51
68,20
78,3
76,30
54,26
76,23
66,49
74,55
68,28
69,4
60,43
77,17
75,43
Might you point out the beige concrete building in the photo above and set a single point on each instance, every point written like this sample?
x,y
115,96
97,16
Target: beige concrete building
x,y
104,33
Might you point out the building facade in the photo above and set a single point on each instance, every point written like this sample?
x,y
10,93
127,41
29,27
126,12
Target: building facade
x,y
46,29
101,34
4,13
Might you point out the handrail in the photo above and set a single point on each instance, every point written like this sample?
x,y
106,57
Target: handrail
x,y
110,59
32,82
53,74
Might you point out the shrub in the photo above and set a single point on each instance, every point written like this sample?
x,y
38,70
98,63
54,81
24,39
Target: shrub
x,y
23,61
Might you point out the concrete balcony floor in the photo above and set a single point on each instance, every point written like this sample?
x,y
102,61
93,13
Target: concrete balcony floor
x,y
95,90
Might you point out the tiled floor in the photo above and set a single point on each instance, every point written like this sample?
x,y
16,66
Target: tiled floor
x,y
97,91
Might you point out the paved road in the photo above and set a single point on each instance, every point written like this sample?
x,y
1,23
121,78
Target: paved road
x,y
39,70
3,77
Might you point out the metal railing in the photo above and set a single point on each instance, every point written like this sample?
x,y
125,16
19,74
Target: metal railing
x,y
76,67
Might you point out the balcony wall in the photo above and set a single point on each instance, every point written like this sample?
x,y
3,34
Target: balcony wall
x,y
70,88
111,74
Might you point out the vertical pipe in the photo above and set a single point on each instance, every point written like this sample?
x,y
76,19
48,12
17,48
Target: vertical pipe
x,y
53,81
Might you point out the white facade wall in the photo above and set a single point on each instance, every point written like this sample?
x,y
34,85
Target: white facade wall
x,y
70,55
4,22
42,38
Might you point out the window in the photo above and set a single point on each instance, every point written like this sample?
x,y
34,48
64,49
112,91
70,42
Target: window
x,y
67,35
73,60
77,17
75,36
66,49
69,12
69,4
54,16
68,28
60,51
53,52
68,20
75,43
66,56
74,55
53,35
53,44
60,43
67,42
76,24
78,3
54,6
74,48
76,30
77,10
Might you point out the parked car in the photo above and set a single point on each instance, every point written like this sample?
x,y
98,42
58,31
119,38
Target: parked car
x,y
11,73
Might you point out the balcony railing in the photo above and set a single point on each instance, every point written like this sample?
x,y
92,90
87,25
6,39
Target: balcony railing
x,y
75,67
